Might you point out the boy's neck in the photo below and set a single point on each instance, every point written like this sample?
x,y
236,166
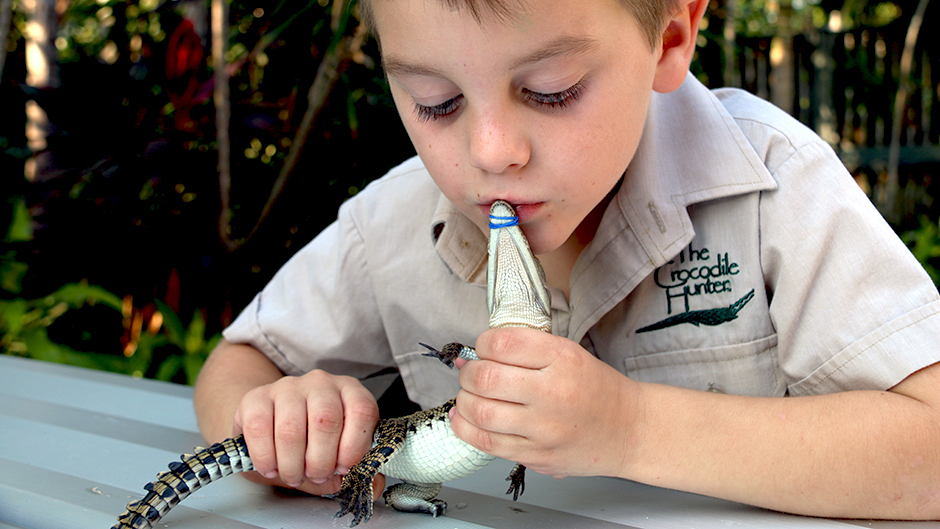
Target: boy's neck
x,y
559,263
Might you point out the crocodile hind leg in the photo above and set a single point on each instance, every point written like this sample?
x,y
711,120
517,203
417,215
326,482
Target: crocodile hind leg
x,y
355,496
415,497
183,478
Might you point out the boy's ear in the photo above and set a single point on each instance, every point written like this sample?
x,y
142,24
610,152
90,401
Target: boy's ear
x,y
678,45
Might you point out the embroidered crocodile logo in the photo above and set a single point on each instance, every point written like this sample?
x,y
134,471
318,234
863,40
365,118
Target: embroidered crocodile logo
x,y
710,317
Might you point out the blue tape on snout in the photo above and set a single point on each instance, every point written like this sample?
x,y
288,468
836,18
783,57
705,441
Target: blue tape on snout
x,y
497,222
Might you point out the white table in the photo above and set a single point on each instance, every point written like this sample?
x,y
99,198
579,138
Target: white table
x,y
77,445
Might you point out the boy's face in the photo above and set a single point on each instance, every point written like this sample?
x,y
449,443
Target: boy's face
x,y
544,110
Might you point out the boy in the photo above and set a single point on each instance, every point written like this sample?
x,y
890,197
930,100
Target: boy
x,y
707,255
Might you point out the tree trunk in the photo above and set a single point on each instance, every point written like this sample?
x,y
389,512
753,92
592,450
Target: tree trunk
x,y
782,65
223,113
41,73
6,14
729,37
889,195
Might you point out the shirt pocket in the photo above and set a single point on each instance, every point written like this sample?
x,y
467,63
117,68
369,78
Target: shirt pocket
x,y
429,382
749,368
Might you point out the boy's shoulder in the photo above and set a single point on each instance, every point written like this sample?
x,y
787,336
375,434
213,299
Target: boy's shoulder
x,y
738,137
410,172
774,134
404,188
399,208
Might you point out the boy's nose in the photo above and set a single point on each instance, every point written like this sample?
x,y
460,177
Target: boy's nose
x,y
498,144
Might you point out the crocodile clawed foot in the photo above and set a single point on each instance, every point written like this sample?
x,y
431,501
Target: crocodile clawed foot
x,y
354,497
447,355
517,481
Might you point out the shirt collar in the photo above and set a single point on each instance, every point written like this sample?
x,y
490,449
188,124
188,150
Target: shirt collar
x,y
692,151
459,242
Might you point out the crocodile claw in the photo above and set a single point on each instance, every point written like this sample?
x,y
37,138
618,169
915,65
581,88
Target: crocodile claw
x,y
517,481
447,355
354,497
450,353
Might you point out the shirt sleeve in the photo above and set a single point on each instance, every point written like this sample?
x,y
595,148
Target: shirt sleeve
x,y
318,311
852,307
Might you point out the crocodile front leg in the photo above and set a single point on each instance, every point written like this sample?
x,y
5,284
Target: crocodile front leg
x,y
355,495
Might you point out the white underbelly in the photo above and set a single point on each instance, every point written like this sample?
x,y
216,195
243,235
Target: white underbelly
x,y
433,454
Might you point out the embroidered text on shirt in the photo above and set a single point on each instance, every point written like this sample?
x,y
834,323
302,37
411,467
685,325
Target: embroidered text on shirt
x,y
699,276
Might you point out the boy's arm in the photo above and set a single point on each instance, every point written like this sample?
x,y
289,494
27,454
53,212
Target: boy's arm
x,y
857,454
300,430
545,402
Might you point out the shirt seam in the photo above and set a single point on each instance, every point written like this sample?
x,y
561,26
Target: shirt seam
x,y
269,341
722,360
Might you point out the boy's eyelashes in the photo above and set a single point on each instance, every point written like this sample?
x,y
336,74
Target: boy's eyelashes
x,y
560,99
435,112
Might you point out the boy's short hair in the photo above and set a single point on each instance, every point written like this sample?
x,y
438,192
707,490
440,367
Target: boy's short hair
x,y
651,15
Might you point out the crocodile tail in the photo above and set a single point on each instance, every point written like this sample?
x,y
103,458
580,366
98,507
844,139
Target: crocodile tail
x,y
183,478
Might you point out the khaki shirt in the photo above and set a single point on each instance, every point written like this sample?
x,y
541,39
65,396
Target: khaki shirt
x,y
738,255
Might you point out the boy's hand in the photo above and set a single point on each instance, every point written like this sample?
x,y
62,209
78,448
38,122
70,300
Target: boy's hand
x,y
545,402
303,431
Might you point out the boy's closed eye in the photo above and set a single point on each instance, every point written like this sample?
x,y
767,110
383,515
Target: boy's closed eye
x,y
553,100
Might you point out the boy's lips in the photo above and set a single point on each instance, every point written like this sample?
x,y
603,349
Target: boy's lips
x,y
524,211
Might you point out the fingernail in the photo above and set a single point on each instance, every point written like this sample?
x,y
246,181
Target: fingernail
x,y
452,412
319,481
270,475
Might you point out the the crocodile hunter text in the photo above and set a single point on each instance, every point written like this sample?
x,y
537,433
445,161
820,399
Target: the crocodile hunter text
x,y
698,272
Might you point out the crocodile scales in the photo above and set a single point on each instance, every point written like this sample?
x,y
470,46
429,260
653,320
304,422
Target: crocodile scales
x,y
420,449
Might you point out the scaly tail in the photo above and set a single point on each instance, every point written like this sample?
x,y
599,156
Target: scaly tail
x,y
196,470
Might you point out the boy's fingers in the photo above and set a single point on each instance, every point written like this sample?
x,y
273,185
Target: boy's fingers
x,y
335,482
495,380
492,442
360,416
518,346
290,438
325,426
257,426
494,416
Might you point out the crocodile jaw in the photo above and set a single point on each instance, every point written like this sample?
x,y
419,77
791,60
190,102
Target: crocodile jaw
x,y
516,293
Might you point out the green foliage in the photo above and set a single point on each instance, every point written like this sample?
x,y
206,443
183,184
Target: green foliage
x,y
924,243
24,328
191,340
755,18
174,353
24,324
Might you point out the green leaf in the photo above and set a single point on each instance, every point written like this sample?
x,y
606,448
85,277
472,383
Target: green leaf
x,y
169,368
172,325
11,274
12,318
22,227
78,294
195,335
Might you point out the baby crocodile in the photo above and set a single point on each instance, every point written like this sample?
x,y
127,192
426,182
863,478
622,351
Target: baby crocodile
x,y
419,449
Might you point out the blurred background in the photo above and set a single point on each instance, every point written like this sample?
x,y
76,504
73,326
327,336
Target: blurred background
x,y
159,160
